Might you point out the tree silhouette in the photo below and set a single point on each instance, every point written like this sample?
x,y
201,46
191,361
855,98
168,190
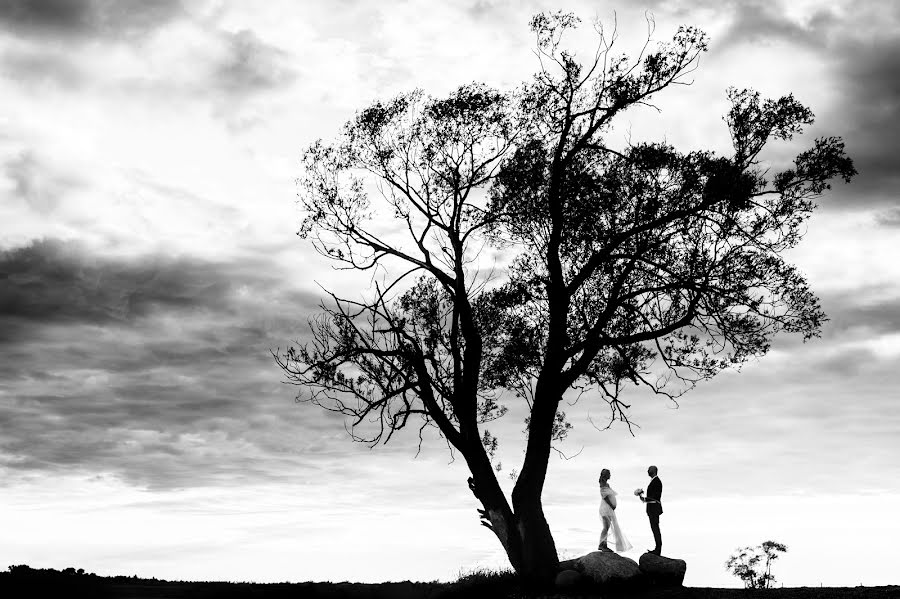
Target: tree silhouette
x,y
753,565
617,267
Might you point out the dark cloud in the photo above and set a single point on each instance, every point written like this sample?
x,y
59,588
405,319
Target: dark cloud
x,y
155,370
53,281
844,353
53,15
765,22
84,18
870,107
860,49
857,310
251,64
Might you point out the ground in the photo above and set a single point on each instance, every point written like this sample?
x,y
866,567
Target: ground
x,y
51,583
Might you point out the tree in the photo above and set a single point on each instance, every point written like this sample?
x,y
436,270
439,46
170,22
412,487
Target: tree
x,y
753,565
631,266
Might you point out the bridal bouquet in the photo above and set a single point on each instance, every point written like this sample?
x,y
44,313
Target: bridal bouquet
x,y
638,492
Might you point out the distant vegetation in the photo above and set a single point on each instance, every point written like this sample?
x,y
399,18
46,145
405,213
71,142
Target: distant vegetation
x,y
753,565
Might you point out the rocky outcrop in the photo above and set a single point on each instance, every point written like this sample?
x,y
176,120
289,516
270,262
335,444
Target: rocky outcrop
x,y
663,571
569,580
606,569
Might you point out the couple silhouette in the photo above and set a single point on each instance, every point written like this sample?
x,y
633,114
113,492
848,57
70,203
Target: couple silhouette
x,y
611,529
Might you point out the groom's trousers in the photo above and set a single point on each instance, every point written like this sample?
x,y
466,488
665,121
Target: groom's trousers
x,y
657,536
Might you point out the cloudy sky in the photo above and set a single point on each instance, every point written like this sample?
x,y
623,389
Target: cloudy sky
x,y
148,263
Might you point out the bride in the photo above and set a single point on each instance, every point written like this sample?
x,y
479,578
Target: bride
x,y
611,528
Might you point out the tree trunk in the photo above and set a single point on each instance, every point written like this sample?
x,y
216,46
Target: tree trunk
x,y
522,529
523,533
539,558
539,550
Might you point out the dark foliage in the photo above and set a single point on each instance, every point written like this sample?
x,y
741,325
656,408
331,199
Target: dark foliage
x,y
753,565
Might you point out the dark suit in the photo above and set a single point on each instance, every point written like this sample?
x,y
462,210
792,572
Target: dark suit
x,y
654,509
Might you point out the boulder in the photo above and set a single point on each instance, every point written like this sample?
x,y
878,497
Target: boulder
x,y
609,569
568,579
663,571
568,564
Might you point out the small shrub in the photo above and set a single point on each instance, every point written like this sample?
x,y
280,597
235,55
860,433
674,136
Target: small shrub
x,y
753,565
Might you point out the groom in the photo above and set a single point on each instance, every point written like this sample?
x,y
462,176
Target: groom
x,y
654,506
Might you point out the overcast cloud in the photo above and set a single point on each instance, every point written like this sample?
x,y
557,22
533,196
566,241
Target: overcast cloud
x,y
149,263
155,369
89,18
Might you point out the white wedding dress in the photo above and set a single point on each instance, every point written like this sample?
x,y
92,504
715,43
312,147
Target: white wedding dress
x,y
615,536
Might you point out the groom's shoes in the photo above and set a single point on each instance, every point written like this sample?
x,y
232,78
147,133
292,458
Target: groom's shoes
x,y
603,547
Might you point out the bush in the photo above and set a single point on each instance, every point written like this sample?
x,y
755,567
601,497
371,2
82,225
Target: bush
x,y
753,565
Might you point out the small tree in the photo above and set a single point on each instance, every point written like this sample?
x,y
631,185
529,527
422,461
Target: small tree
x,y
753,565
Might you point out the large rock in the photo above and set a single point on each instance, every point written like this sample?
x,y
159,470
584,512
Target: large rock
x,y
609,569
568,564
663,571
569,580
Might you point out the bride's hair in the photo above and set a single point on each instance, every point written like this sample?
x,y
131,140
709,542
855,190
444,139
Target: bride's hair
x,y
604,476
